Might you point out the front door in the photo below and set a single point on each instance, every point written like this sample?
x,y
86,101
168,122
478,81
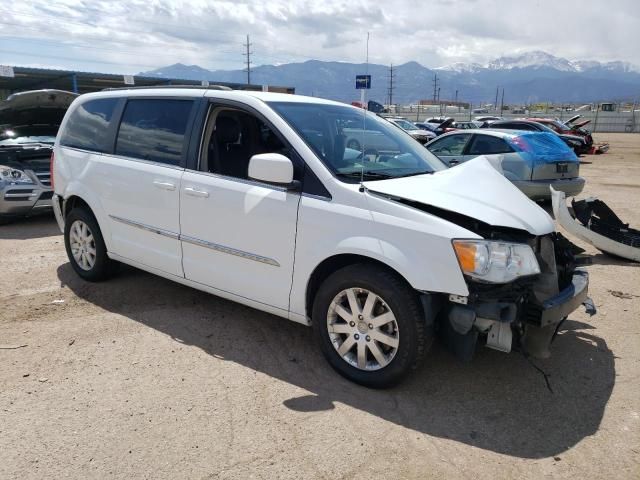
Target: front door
x,y
238,235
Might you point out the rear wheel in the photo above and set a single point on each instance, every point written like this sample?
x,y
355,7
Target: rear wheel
x,y
370,325
85,246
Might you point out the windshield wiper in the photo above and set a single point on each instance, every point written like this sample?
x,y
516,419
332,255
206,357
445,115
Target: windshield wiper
x,y
358,174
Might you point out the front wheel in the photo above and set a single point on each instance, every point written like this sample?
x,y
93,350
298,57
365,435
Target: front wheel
x,y
85,246
370,325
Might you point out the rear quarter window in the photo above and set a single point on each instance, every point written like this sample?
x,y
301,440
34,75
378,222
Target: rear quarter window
x,y
87,127
488,145
154,130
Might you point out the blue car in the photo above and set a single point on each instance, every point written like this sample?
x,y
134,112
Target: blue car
x,y
531,160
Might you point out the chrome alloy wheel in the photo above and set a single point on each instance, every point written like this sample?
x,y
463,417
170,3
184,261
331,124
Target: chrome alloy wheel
x,y
83,246
363,329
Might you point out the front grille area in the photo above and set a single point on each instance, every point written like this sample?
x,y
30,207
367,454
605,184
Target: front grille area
x,y
44,176
18,195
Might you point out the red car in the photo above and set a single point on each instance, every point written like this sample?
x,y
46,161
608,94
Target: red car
x,y
567,128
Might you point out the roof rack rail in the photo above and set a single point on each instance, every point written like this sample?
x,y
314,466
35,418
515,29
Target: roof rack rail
x,y
195,87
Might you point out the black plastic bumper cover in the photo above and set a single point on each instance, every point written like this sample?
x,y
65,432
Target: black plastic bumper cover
x,y
557,308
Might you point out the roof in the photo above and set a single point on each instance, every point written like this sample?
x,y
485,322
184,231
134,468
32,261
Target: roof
x,y
200,92
489,131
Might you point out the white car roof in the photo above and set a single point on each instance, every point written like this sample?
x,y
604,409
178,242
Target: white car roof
x,y
487,131
201,92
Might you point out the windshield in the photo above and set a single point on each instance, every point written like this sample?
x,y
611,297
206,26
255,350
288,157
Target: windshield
x,y
352,142
404,124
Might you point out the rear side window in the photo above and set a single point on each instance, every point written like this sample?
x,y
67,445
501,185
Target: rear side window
x,y
87,127
153,129
451,145
488,145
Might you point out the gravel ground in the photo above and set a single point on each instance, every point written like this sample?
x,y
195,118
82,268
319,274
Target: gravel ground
x,y
143,378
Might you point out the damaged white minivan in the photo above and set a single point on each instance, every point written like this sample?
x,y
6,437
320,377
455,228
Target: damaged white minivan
x,y
255,197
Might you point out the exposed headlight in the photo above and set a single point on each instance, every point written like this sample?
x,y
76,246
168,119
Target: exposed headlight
x,y
11,175
495,262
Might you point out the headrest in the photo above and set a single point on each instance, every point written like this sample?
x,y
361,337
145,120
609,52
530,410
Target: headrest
x,y
227,130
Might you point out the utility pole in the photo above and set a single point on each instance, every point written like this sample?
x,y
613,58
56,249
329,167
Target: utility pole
x,y
435,87
502,102
439,104
457,101
248,63
391,77
495,105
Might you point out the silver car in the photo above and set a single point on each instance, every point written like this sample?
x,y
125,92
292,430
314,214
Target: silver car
x,y
29,122
531,160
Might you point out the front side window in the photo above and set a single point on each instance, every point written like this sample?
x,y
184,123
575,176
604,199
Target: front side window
x,y
232,137
153,129
488,145
87,127
451,145
353,143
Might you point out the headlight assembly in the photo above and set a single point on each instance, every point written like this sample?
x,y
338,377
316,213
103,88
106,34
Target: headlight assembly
x,y
494,261
13,175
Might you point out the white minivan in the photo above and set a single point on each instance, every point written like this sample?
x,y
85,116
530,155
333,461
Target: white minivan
x,y
257,198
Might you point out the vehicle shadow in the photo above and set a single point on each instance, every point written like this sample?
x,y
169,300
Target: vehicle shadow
x,y
29,228
497,402
609,259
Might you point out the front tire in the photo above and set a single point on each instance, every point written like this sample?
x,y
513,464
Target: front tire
x,y
85,246
370,325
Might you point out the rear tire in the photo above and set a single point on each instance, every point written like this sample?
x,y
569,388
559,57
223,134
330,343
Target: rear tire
x,y
386,338
85,246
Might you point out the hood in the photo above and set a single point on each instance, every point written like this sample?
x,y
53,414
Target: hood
x,y
36,107
580,124
421,133
474,189
572,119
447,123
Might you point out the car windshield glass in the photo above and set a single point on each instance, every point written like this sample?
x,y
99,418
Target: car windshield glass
x,y
352,142
404,124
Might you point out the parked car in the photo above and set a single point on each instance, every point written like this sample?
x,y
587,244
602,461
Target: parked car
x,y
487,118
575,142
421,135
563,129
466,125
29,122
439,128
531,160
228,191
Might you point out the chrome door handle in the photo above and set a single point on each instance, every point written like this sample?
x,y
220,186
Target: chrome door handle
x,y
194,192
164,185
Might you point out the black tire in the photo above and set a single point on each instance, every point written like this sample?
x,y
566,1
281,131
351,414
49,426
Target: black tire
x,y
103,266
414,338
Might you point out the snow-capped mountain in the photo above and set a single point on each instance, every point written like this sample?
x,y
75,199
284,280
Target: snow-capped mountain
x,y
527,77
539,60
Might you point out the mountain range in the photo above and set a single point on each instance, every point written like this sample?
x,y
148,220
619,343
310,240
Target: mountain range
x,y
527,78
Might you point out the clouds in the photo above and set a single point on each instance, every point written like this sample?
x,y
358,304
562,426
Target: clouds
x,y
133,35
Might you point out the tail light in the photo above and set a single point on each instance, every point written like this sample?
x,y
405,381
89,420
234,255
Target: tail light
x,y
53,155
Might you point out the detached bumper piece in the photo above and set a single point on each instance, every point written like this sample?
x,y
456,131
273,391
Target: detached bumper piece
x,y
597,225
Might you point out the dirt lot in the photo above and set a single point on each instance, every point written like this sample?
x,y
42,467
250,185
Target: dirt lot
x,y
142,378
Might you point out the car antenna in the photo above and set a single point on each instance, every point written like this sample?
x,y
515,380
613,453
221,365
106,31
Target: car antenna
x,y
364,121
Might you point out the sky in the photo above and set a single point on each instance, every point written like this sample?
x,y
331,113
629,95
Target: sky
x,y
130,36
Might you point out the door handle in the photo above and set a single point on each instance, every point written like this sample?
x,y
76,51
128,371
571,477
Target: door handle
x,y
194,192
164,185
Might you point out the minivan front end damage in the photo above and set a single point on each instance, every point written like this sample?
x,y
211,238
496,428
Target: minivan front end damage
x,y
524,314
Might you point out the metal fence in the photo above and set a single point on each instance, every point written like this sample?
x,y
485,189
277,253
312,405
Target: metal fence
x,y
601,122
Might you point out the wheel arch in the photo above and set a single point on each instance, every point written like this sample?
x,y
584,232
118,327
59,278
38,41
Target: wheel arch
x,y
331,264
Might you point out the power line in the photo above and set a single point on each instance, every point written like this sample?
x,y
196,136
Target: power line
x,y
248,55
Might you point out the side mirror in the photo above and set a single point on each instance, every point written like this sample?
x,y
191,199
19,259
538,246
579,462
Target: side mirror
x,y
272,168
